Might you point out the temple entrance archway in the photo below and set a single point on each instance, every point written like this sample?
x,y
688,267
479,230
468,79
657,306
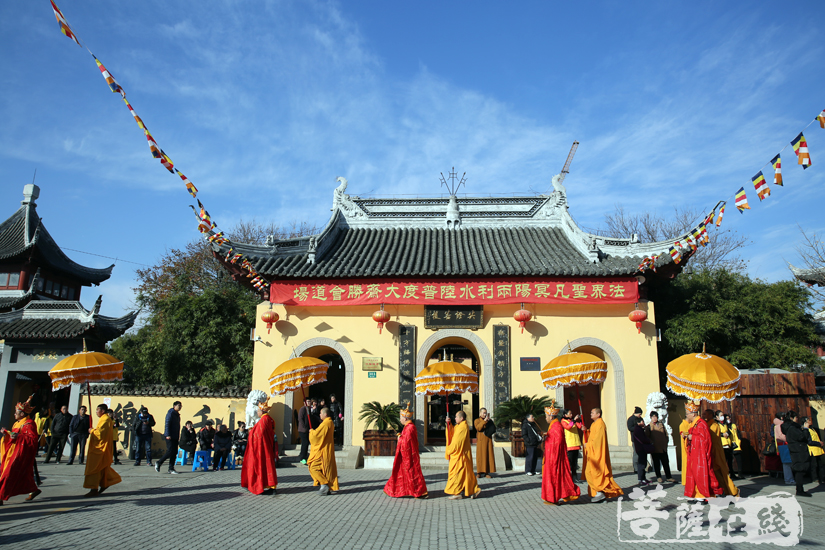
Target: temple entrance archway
x,y
339,381
615,380
455,339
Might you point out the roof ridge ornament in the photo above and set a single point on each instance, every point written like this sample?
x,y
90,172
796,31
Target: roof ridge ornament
x,y
452,187
342,201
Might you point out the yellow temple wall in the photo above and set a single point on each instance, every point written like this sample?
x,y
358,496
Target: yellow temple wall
x,y
603,327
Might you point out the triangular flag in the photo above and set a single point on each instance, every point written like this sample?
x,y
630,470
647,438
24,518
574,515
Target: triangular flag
x,y
134,114
110,80
761,186
167,162
721,214
800,147
821,119
742,200
776,162
189,185
675,255
64,25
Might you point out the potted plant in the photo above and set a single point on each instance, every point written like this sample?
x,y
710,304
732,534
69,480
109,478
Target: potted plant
x,y
386,419
516,410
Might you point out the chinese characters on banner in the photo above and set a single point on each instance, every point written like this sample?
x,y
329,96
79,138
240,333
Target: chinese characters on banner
x,y
406,364
620,290
501,378
774,518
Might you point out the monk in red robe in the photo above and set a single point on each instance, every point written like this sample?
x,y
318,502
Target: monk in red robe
x,y
18,449
701,481
557,486
258,474
407,480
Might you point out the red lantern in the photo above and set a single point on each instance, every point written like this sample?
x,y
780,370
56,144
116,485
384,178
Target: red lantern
x,y
522,316
269,317
638,316
381,317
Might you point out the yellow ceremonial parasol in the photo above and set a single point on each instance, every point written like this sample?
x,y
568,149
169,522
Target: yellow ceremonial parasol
x,y
445,378
703,376
86,367
297,372
574,369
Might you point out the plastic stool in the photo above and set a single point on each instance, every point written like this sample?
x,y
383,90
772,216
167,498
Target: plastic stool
x,y
183,456
203,459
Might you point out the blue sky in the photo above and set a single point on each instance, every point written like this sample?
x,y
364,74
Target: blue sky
x,y
263,104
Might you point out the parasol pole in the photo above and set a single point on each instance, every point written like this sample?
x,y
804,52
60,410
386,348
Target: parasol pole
x,y
581,412
448,423
309,416
89,393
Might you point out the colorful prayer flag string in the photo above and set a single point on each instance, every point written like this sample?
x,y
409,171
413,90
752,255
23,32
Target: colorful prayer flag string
x,y
64,25
110,80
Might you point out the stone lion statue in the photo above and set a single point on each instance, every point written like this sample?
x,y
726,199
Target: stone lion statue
x,y
253,411
657,401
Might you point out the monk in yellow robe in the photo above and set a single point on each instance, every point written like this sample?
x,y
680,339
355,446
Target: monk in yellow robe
x,y
99,473
597,470
460,477
321,460
720,463
683,431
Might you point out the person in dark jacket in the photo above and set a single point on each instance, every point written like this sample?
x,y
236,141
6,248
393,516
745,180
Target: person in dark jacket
x,y
337,412
206,436
240,438
143,430
172,436
632,422
642,445
531,434
79,432
223,446
60,433
303,430
188,440
798,441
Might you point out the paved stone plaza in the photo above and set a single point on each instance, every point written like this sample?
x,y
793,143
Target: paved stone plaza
x,y
211,510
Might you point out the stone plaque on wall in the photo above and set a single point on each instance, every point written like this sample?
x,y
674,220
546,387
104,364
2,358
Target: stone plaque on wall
x,y
406,365
501,368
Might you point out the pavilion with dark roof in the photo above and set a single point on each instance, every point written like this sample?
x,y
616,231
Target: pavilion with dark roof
x,y
41,318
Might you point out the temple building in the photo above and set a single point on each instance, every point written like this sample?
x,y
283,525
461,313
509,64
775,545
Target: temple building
x,y
451,272
41,318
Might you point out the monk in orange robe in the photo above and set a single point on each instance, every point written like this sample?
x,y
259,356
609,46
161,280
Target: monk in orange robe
x,y
99,473
460,477
597,470
720,463
557,486
18,449
407,479
701,481
321,460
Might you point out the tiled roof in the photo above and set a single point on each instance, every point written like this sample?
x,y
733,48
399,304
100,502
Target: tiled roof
x,y
512,251
42,319
25,230
231,392
810,276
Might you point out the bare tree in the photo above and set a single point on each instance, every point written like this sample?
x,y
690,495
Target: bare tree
x,y
812,254
721,251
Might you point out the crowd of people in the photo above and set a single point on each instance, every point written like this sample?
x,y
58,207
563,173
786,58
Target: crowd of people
x,y
711,444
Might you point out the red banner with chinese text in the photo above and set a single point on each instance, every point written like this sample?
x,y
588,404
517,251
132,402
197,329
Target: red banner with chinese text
x,y
620,290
